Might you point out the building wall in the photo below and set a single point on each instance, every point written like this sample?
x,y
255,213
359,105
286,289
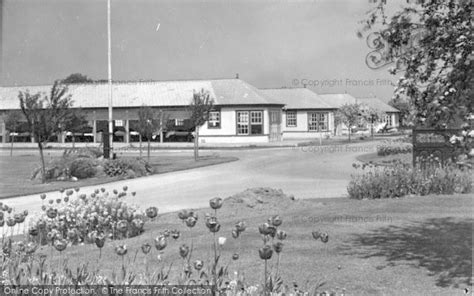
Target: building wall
x,y
301,129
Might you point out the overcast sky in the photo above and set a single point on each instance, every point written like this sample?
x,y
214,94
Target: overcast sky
x,y
269,43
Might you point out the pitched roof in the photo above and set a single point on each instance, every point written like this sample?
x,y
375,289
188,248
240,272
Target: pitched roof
x,y
296,98
337,100
377,104
156,93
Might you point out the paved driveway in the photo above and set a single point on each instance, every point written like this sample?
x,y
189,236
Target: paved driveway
x,y
305,172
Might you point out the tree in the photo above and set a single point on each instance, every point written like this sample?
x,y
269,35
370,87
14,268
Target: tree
x,y
199,108
370,115
149,122
430,43
77,78
12,124
349,115
75,122
45,115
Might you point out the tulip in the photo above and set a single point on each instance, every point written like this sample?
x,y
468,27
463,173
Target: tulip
x,y
138,223
146,248
235,256
60,245
77,189
324,237
166,233
221,240
61,190
175,234
102,189
125,188
43,196
267,229
66,199
69,192
19,218
281,235
115,191
11,222
160,242
21,246
122,226
183,251
316,234
72,234
151,212
51,201
240,226
83,196
43,208
52,213
265,252
134,193
275,221
235,233
198,264
191,222
58,200
183,215
216,203
9,210
121,250
278,247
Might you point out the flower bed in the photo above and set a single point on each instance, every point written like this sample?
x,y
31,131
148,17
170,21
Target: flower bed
x,y
394,147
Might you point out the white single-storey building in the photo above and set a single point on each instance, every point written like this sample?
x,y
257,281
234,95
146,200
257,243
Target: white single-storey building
x,y
242,113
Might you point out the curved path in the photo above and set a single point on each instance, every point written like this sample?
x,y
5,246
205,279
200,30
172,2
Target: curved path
x,y
305,172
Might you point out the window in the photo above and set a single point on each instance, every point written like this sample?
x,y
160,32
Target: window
x,y
249,122
214,119
386,118
317,121
290,118
242,123
118,122
178,122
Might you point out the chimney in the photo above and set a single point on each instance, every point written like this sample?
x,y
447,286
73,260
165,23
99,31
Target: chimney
x,y
236,75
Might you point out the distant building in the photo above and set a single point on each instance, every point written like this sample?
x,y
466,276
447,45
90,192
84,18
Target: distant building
x,y
241,114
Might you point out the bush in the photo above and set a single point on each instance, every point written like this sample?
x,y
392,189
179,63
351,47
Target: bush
x,y
401,179
89,152
122,167
82,168
394,147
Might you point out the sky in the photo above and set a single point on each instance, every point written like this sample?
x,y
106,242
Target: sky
x,y
269,43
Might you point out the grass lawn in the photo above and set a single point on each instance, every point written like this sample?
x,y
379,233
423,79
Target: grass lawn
x,y
408,246
16,171
385,160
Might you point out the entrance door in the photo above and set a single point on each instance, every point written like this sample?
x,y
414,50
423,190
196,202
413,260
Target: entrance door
x,y
275,125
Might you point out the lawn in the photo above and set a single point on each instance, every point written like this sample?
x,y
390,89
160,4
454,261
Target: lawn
x,y
408,246
16,171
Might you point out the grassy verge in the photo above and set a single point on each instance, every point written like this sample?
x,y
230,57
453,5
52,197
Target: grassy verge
x,y
15,172
384,160
411,246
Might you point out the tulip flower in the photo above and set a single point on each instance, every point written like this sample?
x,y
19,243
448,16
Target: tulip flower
x,y
235,256
265,252
183,215
11,222
43,196
51,213
122,226
278,247
324,237
60,245
33,231
121,250
31,247
235,233
275,221
221,240
125,188
160,242
316,235
198,264
151,212
281,235
183,251
191,222
216,203
240,226
146,248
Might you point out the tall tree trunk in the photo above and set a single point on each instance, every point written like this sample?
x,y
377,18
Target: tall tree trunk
x,y
196,143
349,132
140,139
43,167
148,152
11,147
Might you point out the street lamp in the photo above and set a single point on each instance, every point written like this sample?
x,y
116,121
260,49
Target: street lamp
x,y
109,58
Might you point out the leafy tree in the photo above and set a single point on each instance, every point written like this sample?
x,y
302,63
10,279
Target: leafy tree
x,y
75,122
199,108
431,45
370,115
45,115
349,115
12,124
149,122
77,78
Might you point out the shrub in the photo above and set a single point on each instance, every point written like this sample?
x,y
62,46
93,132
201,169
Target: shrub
x,y
83,168
90,152
401,179
394,147
123,167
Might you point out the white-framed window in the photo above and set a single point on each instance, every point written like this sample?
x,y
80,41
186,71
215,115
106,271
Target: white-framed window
x,y
214,119
178,122
291,118
118,122
318,121
386,118
249,122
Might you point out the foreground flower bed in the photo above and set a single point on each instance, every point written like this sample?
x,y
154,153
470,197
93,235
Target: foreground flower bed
x,y
101,218
402,179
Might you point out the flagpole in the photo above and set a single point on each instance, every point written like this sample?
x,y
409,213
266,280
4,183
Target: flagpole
x,y
109,62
